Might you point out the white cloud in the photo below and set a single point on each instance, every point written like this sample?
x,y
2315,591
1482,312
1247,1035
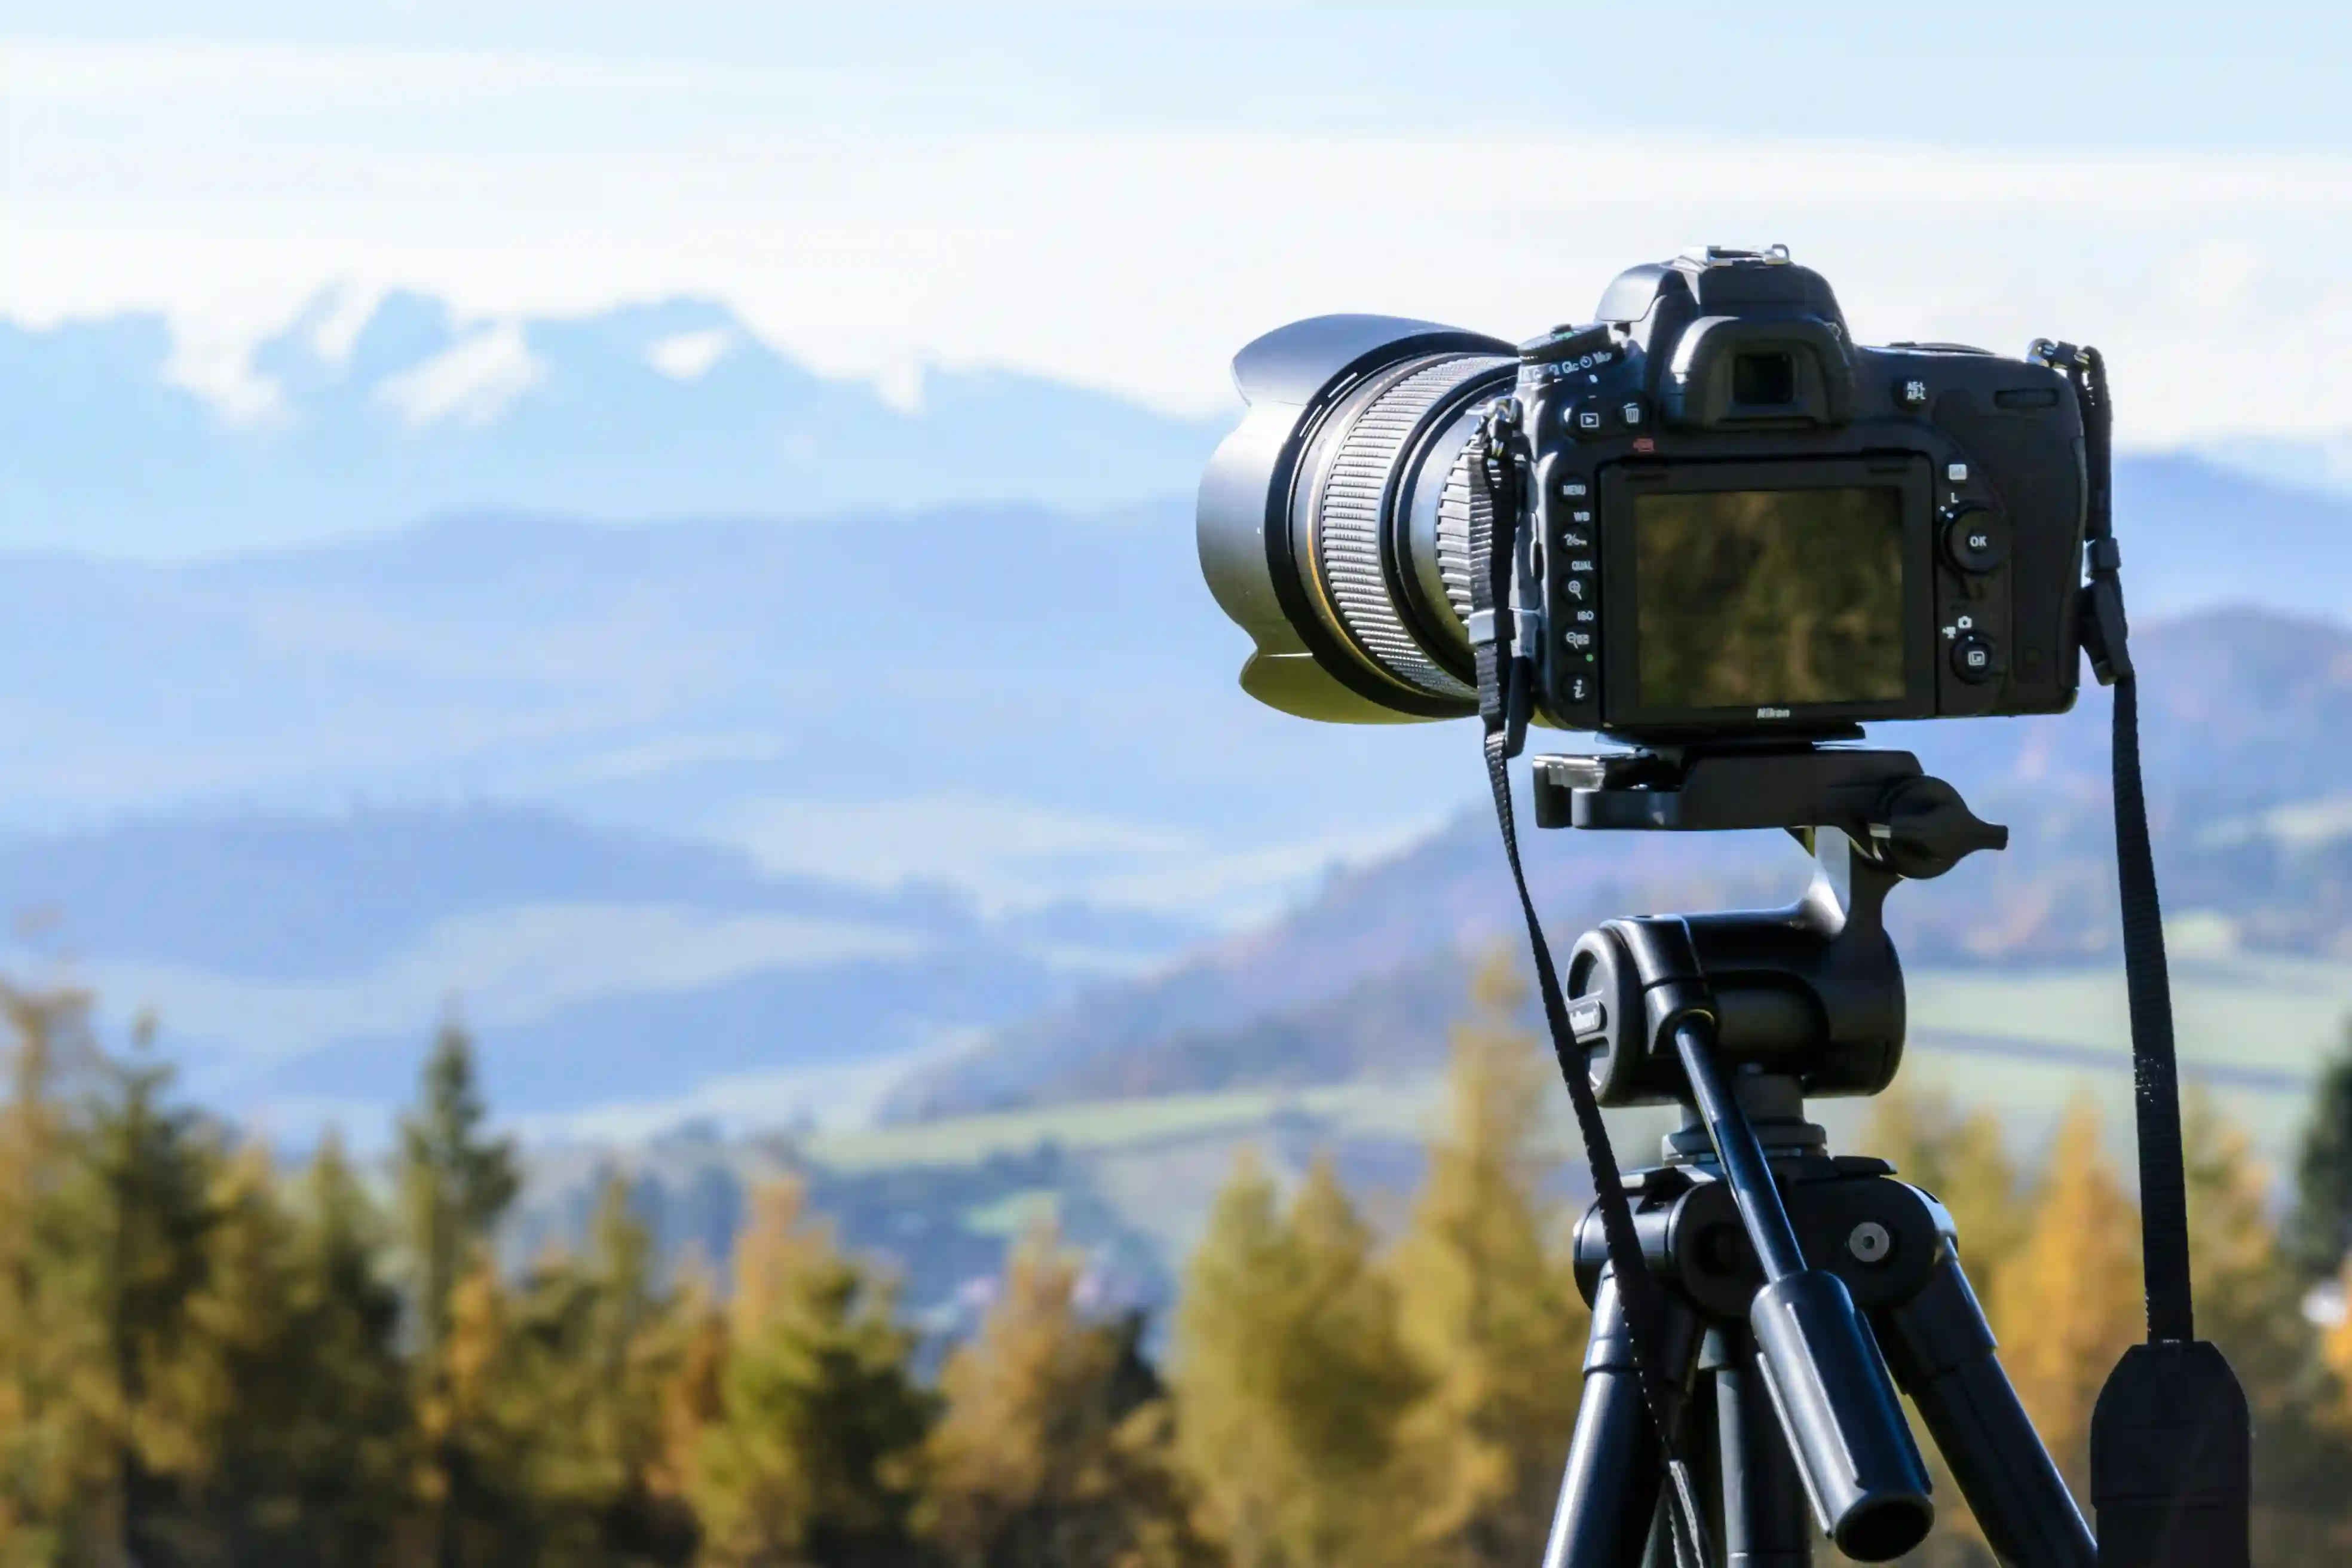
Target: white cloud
x,y
220,370
473,381
688,356
337,316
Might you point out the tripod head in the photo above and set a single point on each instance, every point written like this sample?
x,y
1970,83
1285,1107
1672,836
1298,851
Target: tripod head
x,y
1811,993
1738,1017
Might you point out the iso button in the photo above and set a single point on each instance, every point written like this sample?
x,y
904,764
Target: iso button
x,y
1975,539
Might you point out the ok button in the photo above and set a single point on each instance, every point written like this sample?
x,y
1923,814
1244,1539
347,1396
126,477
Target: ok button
x,y
1976,540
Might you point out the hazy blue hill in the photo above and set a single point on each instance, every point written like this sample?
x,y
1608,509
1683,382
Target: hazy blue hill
x,y
774,723
2247,724
299,963
282,895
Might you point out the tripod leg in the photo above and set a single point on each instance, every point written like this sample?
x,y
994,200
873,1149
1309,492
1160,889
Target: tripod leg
x,y
1767,1520
1609,1495
1941,1352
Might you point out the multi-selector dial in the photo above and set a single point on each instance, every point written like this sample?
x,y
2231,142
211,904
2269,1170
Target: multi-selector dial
x,y
1975,539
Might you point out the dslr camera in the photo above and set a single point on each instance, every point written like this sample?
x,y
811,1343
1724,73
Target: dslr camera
x,y
1737,521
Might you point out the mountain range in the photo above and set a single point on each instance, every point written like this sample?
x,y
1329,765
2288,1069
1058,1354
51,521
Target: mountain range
x,y
2246,737
372,412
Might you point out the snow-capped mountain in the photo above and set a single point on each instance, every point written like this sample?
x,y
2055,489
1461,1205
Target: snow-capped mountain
x,y
366,413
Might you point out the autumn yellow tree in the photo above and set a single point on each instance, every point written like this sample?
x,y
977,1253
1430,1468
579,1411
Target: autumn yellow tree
x,y
1291,1379
1489,1308
2069,1302
568,1429
54,1455
811,1458
2249,1291
1051,1448
455,1183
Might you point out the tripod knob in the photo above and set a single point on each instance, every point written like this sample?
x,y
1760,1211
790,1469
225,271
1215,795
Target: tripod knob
x,y
1923,828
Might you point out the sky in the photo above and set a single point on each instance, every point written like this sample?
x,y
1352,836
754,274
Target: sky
x,y
1120,199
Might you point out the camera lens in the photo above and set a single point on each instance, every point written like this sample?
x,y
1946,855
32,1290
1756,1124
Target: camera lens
x,y
1335,524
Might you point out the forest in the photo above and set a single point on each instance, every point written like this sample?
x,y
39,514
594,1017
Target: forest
x,y
210,1356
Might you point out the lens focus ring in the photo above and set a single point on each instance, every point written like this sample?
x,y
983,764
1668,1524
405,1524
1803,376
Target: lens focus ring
x,y
1351,521
1466,520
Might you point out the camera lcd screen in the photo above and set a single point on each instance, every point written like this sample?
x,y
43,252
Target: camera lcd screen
x,y
1769,598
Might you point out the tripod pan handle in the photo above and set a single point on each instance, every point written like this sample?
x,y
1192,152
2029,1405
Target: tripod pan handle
x,y
1836,1403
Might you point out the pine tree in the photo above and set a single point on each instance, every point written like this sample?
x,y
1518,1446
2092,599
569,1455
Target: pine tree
x,y
2069,1303
693,1394
143,1202
811,1458
1489,1305
2322,1230
1291,1380
455,1183
472,1515
2248,1295
291,1381
55,1455
351,1437
574,1409
1028,1464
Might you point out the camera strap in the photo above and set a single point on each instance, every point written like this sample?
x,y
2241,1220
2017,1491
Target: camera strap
x,y
1506,693
2171,1440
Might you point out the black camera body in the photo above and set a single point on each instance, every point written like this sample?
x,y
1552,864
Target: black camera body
x,y
1737,521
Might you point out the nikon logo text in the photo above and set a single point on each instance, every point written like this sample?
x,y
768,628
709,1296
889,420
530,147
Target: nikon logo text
x,y
1772,713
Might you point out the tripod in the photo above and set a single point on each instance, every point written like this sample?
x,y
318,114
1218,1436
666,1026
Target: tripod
x,y
1798,1289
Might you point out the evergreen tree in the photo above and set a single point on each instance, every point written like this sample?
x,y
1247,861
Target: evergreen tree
x,y
1028,1465
291,1381
1489,1305
1291,1380
811,1458
2067,1306
575,1406
2248,1294
2321,1231
693,1394
143,1205
351,1435
455,1183
55,1457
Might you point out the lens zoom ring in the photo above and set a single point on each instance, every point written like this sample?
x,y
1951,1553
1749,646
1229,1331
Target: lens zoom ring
x,y
1348,523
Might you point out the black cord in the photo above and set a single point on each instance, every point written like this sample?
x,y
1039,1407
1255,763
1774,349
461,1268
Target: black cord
x,y
1501,689
2156,1066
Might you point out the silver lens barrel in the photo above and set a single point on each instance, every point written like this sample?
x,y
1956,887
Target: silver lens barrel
x,y
1334,522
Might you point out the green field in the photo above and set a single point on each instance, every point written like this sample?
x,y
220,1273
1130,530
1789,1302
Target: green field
x,y
2252,1031
2254,1028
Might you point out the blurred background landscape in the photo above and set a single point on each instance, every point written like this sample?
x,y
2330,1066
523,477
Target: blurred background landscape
x,y
934,830
658,555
